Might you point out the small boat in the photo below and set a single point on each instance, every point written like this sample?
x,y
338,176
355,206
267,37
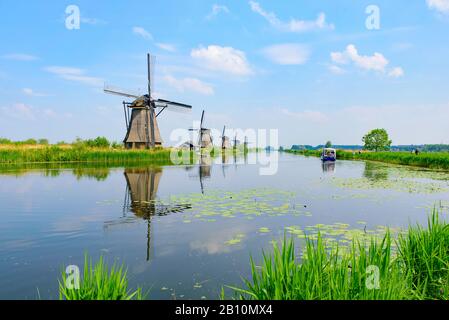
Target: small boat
x,y
329,154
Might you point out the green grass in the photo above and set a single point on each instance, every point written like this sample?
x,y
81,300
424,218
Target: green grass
x,y
418,270
55,154
433,160
425,256
99,283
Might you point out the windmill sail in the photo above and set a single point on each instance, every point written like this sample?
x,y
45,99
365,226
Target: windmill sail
x,y
120,92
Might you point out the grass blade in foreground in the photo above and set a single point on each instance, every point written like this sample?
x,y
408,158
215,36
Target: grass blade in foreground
x,y
98,283
419,270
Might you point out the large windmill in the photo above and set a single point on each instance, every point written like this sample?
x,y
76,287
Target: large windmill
x,y
204,135
225,142
142,130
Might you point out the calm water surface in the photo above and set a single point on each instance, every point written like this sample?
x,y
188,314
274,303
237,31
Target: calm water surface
x,y
186,231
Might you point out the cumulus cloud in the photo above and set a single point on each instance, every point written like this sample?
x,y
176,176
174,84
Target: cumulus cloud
x,y
376,62
19,57
166,46
293,25
307,115
223,59
336,69
32,93
75,74
92,21
441,6
189,84
22,111
143,33
287,54
396,72
216,10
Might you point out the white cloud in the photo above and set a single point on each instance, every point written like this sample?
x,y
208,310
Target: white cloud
x,y
396,72
75,74
216,10
32,93
287,54
143,33
377,62
167,47
19,111
307,115
336,70
92,21
293,25
223,59
441,6
50,113
19,57
189,84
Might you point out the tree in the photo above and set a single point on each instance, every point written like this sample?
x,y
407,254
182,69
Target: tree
x,y
377,140
328,144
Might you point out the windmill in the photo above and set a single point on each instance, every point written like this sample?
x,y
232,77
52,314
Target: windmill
x,y
225,143
142,130
246,144
204,135
236,142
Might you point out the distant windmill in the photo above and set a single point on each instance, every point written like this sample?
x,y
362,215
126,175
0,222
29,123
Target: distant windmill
x,y
204,135
245,144
142,130
225,143
236,142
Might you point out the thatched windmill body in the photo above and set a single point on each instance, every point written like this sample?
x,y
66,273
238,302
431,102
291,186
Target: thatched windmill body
x,y
225,142
142,130
204,135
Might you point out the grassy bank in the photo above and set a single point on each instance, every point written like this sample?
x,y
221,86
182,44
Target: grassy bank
x,y
57,154
419,269
437,160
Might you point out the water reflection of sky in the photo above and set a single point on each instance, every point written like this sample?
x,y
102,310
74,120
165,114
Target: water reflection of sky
x,y
186,231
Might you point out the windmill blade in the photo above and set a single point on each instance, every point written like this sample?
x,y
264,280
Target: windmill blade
x,y
172,106
224,129
202,120
172,103
149,74
120,92
151,67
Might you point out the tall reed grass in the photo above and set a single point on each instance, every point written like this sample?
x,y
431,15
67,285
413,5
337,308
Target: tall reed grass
x,y
55,154
433,160
419,269
98,282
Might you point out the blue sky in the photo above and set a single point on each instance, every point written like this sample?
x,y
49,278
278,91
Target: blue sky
x,y
311,69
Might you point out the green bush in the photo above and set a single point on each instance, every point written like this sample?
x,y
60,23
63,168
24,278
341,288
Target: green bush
x,y
5,141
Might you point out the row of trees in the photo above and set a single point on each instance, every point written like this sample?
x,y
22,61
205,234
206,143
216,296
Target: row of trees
x,y
375,140
99,142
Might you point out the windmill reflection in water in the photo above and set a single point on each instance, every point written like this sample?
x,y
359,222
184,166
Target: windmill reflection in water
x,y
141,200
